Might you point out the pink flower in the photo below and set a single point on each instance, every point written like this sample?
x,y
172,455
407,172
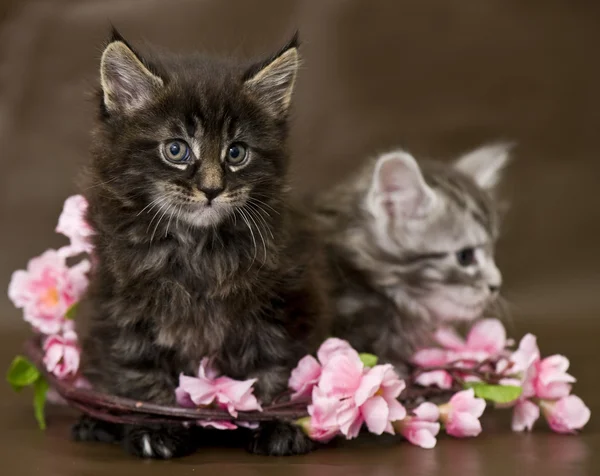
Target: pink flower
x,y
461,414
322,424
486,339
333,346
47,289
432,358
308,371
208,388
422,428
552,380
567,414
62,354
73,225
305,376
366,397
525,415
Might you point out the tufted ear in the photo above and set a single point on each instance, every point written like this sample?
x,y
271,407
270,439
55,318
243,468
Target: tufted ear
x,y
272,82
485,165
398,187
127,84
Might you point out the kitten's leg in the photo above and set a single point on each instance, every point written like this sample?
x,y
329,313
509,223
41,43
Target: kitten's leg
x,y
277,438
131,378
159,441
91,429
280,439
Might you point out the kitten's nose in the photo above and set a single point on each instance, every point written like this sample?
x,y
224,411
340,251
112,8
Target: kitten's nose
x,y
211,192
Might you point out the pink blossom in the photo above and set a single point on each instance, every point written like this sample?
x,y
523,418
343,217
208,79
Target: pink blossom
x,y
47,289
73,225
322,424
486,339
525,415
333,346
62,354
552,380
422,428
342,375
461,414
567,414
308,371
305,376
207,388
433,357
373,402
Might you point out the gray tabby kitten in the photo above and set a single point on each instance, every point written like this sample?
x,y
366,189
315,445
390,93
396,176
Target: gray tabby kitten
x,y
412,246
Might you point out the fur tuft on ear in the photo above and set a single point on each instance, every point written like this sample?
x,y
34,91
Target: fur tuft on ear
x,y
272,82
485,165
127,84
398,187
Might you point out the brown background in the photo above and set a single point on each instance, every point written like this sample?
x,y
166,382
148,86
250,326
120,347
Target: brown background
x,y
435,76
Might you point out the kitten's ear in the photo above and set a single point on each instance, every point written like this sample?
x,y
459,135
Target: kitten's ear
x,y
485,165
272,82
398,187
127,84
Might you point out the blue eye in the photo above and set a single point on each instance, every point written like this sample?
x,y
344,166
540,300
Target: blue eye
x,y
176,151
236,154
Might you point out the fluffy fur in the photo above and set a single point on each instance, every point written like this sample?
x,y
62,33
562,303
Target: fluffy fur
x,y
412,246
201,257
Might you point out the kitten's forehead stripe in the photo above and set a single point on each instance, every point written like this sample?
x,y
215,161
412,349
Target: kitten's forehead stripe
x,y
463,194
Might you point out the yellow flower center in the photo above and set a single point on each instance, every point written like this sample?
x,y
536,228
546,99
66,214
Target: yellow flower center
x,y
50,298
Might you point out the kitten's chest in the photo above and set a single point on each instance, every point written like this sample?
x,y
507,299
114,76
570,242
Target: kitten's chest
x,y
192,337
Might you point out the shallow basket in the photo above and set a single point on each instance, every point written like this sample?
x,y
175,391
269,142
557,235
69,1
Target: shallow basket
x,y
116,409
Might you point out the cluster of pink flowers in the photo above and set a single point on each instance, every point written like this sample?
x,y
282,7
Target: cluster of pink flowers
x,y
347,394
545,383
50,288
209,388
460,417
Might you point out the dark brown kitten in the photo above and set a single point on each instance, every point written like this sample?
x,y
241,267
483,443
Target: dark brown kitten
x,y
197,251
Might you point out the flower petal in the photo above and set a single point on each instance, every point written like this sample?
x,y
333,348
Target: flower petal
x,y
375,413
427,411
463,425
488,335
448,338
421,437
525,415
304,376
331,347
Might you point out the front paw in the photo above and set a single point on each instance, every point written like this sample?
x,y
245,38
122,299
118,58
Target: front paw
x,y
91,429
280,439
158,441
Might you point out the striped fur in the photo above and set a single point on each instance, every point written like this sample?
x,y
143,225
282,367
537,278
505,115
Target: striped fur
x,y
393,233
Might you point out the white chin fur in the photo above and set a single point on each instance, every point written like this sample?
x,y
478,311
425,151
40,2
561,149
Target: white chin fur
x,y
206,216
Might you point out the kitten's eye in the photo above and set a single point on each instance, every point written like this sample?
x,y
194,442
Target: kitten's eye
x,y
236,154
176,151
466,257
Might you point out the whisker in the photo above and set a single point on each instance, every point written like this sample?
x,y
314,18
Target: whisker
x,y
251,214
244,217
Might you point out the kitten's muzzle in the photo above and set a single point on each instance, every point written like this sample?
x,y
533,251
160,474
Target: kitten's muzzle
x,y
212,192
